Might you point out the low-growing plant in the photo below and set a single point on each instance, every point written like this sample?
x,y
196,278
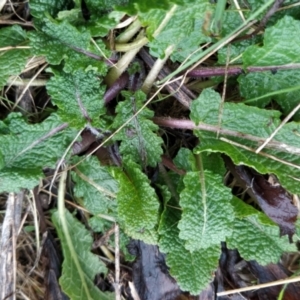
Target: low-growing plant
x,y
171,194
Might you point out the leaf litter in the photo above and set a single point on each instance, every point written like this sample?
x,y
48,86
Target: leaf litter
x,y
155,169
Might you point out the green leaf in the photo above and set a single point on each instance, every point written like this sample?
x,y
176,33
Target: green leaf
x,y
205,109
100,26
205,202
27,149
78,97
139,142
255,85
256,236
38,8
187,160
232,20
141,6
277,50
183,31
134,6
12,61
192,270
103,6
137,204
59,41
12,36
96,186
238,120
80,266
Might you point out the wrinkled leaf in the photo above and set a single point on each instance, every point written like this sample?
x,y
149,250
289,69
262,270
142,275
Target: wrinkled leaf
x,y
186,160
137,204
63,41
12,61
183,31
80,266
139,141
207,213
38,8
102,16
192,270
277,50
232,20
79,98
96,187
255,236
238,120
27,149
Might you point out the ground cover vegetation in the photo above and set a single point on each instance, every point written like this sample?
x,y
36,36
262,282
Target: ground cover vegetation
x,y
148,137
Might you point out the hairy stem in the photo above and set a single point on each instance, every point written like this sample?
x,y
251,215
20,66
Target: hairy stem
x,y
188,124
237,69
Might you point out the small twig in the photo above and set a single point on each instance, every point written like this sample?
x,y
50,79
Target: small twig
x,y
286,119
237,5
14,47
13,22
260,286
16,81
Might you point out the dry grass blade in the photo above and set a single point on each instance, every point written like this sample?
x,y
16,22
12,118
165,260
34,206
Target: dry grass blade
x,y
117,262
286,119
260,286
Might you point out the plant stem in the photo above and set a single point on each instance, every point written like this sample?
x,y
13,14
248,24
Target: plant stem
x,y
237,69
158,65
133,48
117,86
123,63
129,33
180,92
188,124
137,44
